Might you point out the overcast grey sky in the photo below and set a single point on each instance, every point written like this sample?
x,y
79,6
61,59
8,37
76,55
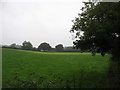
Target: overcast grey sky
x,y
38,21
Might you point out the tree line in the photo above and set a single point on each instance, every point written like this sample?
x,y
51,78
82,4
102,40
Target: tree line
x,y
43,47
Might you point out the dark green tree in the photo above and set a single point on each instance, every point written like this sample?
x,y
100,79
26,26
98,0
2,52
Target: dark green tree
x,y
59,47
13,45
44,47
27,45
100,23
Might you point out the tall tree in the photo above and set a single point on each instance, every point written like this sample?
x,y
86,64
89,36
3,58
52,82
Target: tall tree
x,y
27,45
59,47
13,45
100,23
44,47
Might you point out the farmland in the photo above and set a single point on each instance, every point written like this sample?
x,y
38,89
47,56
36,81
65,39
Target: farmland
x,y
88,71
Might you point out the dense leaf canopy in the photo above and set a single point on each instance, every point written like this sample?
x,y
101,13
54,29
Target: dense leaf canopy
x,y
101,26
44,47
59,47
27,45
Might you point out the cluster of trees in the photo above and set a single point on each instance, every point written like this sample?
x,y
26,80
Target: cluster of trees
x,y
44,47
14,46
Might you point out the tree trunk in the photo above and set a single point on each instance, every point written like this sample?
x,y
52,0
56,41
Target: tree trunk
x,y
114,74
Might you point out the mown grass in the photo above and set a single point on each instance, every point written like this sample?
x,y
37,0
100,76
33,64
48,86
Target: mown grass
x,y
54,65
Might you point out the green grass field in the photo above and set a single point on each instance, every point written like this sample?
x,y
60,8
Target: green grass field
x,y
54,65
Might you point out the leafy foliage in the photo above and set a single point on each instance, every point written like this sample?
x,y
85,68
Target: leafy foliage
x,y
44,47
13,45
59,47
27,45
101,26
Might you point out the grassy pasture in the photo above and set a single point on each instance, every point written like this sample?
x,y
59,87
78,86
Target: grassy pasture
x,y
54,65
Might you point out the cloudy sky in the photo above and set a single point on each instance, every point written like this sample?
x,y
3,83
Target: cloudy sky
x,y
38,21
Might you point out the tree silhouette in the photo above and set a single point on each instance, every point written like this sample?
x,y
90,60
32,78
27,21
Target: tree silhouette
x,y
59,47
27,45
44,47
101,26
